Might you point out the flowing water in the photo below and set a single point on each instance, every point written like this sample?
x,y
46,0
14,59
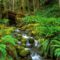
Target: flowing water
x,y
34,51
34,54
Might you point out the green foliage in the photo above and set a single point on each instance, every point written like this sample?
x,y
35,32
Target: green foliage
x,y
8,39
3,49
57,52
4,21
42,1
41,20
49,10
48,31
6,30
55,47
45,27
10,58
44,47
5,41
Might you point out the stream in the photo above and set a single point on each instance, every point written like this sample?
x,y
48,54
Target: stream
x,y
34,50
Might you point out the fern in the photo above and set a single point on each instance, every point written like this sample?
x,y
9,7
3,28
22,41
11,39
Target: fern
x,y
57,52
3,51
8,39
46,27
44,47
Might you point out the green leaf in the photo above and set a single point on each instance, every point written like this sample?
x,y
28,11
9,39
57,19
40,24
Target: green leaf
x,y
8,39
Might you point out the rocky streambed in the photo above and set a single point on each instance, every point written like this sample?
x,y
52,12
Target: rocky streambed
x,y
30,47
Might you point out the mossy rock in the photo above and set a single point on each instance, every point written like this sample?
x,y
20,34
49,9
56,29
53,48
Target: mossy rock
x,y
24,45
32,33
20,48
24,52
24,40
19,37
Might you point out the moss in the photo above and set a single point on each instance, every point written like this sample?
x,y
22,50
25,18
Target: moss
x,y
19,37
24,53
24,45
23,40
20,48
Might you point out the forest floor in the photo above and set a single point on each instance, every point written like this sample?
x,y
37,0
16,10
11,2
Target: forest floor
x,y
38,32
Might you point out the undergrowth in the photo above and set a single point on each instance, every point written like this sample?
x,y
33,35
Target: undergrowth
x,y
48,32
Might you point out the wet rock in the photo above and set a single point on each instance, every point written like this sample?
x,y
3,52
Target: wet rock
x,y
25,36
17,30
19,43
31,41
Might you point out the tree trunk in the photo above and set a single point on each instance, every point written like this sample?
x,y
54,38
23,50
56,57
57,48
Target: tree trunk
x,y
23,6
13,5
1,8
58,58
